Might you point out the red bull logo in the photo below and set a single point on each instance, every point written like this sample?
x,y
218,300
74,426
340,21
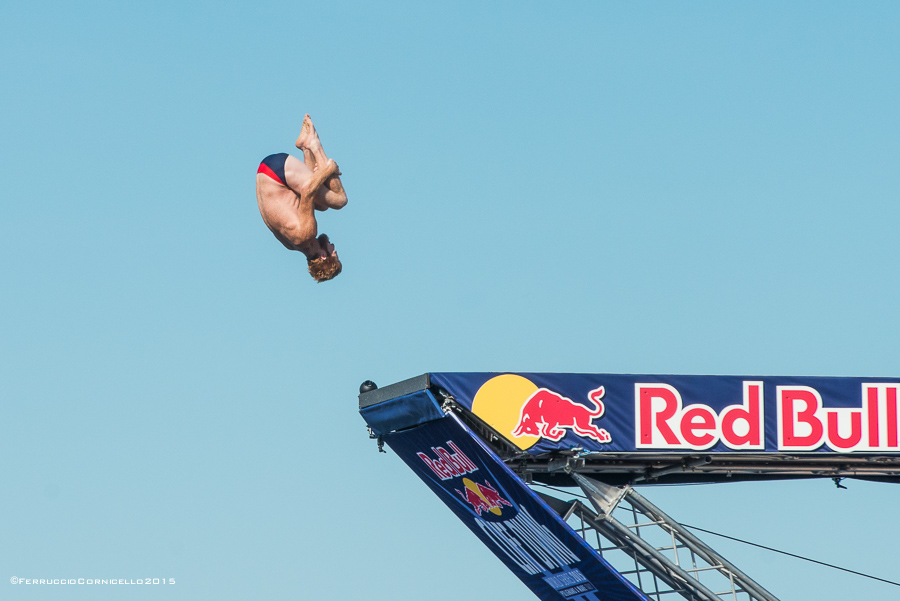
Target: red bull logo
x,y
548,415
448,465
482,497
715,414
804,424
526,414
664,422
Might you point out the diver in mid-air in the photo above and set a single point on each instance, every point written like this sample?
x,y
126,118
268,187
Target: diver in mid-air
x,y
289,191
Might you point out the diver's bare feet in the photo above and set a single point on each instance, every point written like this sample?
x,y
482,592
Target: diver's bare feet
x,y
308,136
309,141
315,147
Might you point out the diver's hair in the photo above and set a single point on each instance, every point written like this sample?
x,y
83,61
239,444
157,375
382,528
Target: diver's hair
x,y
323,269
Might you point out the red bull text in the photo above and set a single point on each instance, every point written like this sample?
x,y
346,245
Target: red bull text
x,y
803,423
448,465
661,422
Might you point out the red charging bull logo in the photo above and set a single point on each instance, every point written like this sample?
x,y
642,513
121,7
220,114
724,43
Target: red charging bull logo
x,y
548,415
482,497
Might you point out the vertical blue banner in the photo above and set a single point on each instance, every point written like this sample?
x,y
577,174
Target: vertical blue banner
x,y
530,538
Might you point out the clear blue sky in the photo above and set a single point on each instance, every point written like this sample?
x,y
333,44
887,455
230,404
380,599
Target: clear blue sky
x,y
703,187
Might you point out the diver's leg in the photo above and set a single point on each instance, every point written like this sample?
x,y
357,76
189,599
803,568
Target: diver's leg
x,y
309,159
314,183
332,194
305,131
334,185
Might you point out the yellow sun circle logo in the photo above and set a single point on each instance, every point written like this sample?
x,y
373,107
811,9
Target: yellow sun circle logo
x,y
499,401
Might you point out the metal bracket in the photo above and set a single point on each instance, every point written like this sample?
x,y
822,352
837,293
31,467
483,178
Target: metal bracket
x,y
378,439
570,464
687,464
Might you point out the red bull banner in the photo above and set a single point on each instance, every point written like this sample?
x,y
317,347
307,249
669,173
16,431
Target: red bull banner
x,y
499,508
616,413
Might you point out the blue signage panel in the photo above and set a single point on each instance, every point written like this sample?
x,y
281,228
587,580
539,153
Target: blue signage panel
x,y
715,414
532,540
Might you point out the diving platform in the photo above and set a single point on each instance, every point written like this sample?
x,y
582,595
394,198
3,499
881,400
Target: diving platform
x,y
481,440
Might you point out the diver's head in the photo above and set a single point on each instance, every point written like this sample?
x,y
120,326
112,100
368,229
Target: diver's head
x,y
324,263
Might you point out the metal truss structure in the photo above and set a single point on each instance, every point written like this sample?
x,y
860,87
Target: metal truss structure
x,y
656,553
